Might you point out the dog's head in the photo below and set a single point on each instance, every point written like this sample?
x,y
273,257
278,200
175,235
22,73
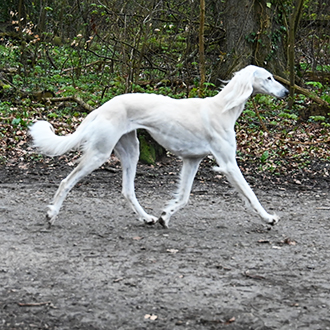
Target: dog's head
x,y
263,82
250,81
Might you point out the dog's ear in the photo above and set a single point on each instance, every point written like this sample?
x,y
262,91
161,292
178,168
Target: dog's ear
x,y
241,88
261,73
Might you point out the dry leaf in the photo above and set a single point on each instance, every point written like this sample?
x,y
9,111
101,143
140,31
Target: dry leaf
x,y
289,241
172,251
151,317
263,241
231,320
257,277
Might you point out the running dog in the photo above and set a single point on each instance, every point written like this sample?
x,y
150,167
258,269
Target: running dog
x,y
189,128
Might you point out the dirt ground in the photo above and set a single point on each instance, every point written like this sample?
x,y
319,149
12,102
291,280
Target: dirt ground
x,y
217,267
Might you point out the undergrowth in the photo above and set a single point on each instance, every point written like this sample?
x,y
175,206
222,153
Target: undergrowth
x,y
269,135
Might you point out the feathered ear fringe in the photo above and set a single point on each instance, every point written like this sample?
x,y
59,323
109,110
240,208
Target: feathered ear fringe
x,y
240,90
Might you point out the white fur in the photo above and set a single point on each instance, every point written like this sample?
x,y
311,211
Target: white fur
x,y
190,128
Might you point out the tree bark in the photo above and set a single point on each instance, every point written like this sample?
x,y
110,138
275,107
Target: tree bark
x,y
294,22
253,36
201,48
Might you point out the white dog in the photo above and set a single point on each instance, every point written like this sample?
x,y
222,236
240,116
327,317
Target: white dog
x,y
190,128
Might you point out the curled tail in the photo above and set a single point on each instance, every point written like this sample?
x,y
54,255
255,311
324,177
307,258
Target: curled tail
x,y
50,144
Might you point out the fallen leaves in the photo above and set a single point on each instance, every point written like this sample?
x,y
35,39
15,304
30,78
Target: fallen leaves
x,y
288,151
293,153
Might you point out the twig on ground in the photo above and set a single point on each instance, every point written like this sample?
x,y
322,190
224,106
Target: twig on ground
x,y
257,277
73,98
36,304
259,117
303,91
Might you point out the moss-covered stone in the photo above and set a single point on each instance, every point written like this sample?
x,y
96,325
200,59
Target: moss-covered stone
x,y
150,150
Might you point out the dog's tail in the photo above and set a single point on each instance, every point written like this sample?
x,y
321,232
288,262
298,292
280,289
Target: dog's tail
x,y
50,144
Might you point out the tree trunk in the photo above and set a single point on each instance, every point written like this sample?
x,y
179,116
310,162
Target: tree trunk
x,y
21,16
253,36
42,19
201,48
294,22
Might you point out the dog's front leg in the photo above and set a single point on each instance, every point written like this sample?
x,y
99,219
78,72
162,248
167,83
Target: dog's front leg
x,y
225,153
235,177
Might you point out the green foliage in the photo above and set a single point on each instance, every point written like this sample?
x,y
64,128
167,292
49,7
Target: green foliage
x,y
315,84
264,156
322,89
287,115
208,90
317,118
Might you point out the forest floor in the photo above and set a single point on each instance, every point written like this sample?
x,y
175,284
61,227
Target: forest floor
x,y
217,266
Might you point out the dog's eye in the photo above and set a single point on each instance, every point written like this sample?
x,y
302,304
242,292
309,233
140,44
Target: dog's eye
x,y
269,78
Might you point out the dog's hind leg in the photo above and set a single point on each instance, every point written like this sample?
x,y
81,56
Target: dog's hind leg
x,y
128,152
188,172
89,162
96,152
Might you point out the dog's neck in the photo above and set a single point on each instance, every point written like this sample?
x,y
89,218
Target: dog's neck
x,y
232,98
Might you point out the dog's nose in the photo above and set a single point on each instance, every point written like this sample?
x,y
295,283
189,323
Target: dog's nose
x,y
286,92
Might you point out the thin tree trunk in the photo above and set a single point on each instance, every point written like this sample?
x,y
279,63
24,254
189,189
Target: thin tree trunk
x,y
21,16
42,18
294,22
201,48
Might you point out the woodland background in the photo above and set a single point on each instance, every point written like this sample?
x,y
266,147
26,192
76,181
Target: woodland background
x,y
62,59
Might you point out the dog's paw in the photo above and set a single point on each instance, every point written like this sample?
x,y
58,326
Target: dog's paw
x,y
151,221
51,215
273,219
163,223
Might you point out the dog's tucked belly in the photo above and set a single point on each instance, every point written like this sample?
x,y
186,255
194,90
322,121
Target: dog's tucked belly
x,y
182,145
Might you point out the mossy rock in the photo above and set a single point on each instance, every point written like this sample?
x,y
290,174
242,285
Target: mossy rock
x,y
150,150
